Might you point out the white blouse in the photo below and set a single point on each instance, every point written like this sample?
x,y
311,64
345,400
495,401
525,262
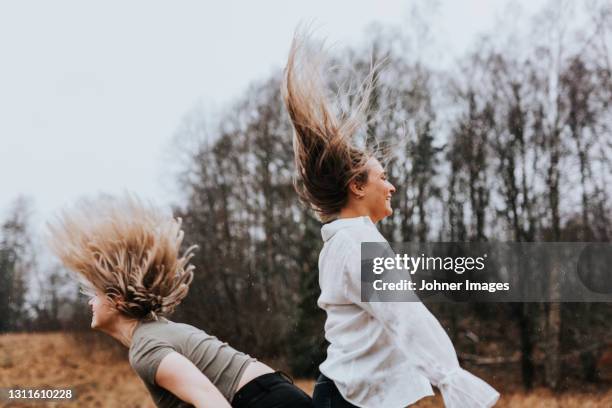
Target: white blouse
x,y
384,354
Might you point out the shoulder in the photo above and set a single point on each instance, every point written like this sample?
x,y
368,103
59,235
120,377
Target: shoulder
x,y
164,333
337,259
151,342
352,235
345,240
145,364
149,329
162,329
346,244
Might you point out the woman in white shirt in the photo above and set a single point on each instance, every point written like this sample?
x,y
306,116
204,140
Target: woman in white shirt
x,y
380,354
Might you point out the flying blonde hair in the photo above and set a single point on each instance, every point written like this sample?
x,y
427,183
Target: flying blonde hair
x,y
126,250
326,158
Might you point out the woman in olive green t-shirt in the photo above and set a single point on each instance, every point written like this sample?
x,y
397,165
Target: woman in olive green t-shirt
x,y
126,256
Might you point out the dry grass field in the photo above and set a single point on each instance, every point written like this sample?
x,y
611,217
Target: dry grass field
x,y
98,372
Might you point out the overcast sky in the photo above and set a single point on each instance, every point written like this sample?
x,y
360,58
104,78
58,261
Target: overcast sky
x,y
91,93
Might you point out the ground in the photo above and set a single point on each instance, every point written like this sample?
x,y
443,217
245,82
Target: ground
x,y
98,372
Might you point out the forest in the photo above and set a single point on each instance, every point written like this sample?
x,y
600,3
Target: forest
x,y
512,142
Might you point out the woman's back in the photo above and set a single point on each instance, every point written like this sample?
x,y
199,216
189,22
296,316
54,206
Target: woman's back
x,y
153,340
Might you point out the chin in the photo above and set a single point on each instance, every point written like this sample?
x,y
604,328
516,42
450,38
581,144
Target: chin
x,y
389,211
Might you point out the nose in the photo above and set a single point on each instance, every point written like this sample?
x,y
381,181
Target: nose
x,y
391,188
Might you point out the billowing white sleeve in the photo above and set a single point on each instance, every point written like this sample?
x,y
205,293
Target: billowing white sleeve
x,y
423,340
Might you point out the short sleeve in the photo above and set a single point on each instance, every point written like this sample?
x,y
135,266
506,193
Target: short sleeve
x,y
145,356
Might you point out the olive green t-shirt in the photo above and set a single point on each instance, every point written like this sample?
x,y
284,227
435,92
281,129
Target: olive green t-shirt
x,y
219,362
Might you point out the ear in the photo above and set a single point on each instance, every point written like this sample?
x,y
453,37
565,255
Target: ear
x,y
357,189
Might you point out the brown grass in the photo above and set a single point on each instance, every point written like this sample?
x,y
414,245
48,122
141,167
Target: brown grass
x,y
98,372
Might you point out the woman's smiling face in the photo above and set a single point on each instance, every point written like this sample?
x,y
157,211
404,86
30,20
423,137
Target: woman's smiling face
x,y
377,191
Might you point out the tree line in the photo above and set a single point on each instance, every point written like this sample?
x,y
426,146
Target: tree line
x,y
502,146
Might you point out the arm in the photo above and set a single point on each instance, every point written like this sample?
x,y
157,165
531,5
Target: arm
x,y
182,378
422,340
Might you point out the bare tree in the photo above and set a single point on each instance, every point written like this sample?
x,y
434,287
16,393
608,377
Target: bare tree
x,y
16,259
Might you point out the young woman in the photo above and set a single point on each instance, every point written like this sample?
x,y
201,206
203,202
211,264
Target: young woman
x,y
126,256
379,354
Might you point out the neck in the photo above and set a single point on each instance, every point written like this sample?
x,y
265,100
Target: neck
x,y
353,211
122,331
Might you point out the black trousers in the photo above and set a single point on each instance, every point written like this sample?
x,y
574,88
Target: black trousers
x,y
326,395
273,390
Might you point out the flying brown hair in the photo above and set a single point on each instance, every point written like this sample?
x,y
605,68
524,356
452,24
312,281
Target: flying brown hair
x,y
326,158
126,250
